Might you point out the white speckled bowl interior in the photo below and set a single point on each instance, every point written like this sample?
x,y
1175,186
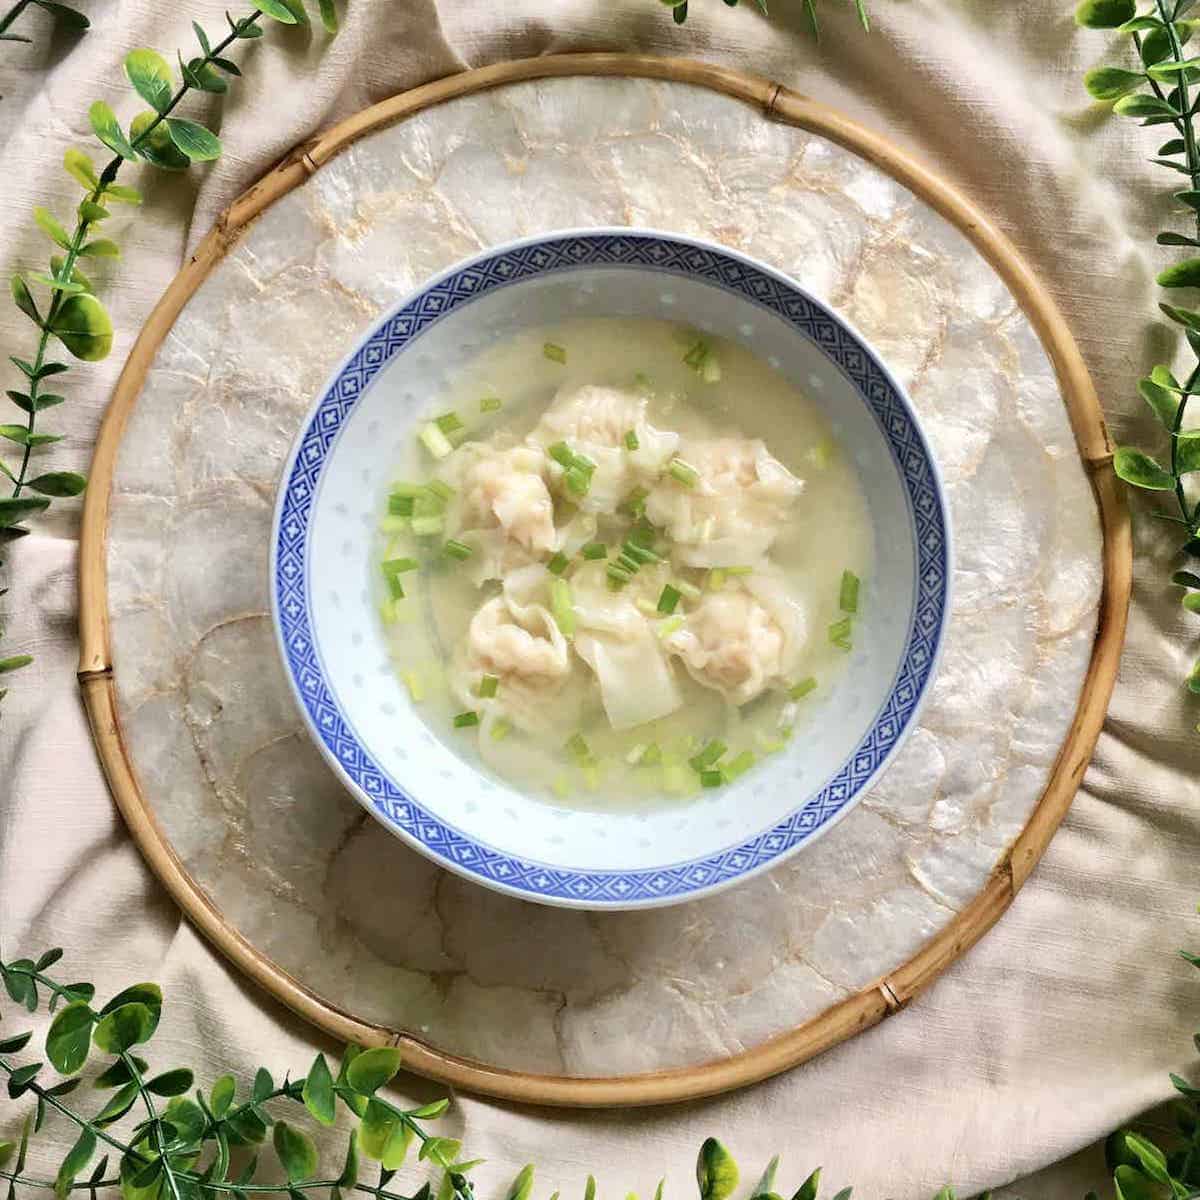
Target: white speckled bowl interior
x,y
333,646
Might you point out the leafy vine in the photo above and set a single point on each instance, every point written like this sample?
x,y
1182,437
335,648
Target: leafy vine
x,y
70,313
64,15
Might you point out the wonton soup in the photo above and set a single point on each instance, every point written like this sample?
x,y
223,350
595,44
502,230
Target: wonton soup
x,y
620,562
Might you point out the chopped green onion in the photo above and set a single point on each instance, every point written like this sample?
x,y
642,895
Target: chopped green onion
x,y
591,776
631,565
643,382
690,590
400,506
635,755
561,453
449,423
771,745
839,631
500,729
465,720
387,611
395,587
712,779
710,368
458,550
415,688
393,524
594,550
558,564
640,554
577,747
554,353
585,464
683,473
398,566
716,579
616,582
651,756
644,606
675,779
560,787
435,441
642,534
821,455
739,571
631,440
848,594
801,689
578,480
427,526
488,686
843,643
407,489
739,765
694,358
635,502
439,488
562,607
670,625
668,599
709,756
491,404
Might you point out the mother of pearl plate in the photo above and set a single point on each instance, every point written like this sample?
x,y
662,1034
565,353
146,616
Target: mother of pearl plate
x,y
258,837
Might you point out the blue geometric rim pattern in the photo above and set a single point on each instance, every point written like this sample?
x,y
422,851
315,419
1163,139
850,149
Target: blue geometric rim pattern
x,y
671,256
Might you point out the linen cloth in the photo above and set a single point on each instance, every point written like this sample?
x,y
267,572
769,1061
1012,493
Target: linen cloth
x,y
1066,1019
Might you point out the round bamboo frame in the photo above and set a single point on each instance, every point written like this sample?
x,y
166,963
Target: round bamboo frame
x,y
843,1020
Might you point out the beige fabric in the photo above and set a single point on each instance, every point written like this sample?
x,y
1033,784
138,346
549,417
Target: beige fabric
x,y
1068,1016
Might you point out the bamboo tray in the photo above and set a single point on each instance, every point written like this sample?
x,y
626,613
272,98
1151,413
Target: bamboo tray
x,y
291,925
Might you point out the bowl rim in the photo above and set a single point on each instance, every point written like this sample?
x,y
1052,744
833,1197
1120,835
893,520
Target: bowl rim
x,y
762,850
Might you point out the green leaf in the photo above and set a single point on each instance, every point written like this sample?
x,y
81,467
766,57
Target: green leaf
x,y
349,1176
1187,579
948,1193
329,16
248,1128
1187,452
439,1150
378,1125
1131,1184
6,1151
77,1158
222,1095
150,75
117,1073
123,194
188,1118
100,248
317,1093
1181,274
1104,14
1140,25
1166,72
296,1152
108,130
13,510
23,299
522,1186
429,1112
372,1069
1143,105
263,1085
7,665
92,212
56,285
70,1035
202,38
193,140
298,10
57,263
20,1079
84,327
205,77
1111,83
716,1171
119,1103
81,168
766,1181
129,1025
275,9
1181,316
1141,470
64,14
1191,601
1152,1159
844,1194
1174,146
156,146
171,1083
1168,238
227,65
18,1041
1164,402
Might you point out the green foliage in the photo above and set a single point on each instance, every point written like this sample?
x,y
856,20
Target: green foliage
x,y
71,313
1162,93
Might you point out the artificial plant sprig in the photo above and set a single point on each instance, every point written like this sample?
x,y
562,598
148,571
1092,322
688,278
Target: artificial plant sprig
x,y
64,15
1159,92
186,1148
679,10
70,313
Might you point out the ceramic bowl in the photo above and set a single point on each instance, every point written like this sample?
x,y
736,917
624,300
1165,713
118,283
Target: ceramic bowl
x,y
333,645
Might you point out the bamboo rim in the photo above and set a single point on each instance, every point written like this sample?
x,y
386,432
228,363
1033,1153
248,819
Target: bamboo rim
x,y
848,1017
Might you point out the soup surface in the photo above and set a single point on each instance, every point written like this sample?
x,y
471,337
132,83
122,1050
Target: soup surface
x,y
620,561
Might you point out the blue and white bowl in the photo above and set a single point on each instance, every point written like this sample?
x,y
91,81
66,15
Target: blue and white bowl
x,y
334,650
